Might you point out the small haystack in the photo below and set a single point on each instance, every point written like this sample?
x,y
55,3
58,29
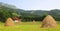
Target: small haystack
x,y
34,21
49,21
9,22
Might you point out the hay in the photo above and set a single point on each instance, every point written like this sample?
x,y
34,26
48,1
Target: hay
x,y
9,22
49,21
34,21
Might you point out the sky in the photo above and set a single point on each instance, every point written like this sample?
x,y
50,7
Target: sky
x,y
34,4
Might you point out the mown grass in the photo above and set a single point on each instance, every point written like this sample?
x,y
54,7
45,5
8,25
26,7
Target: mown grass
x,y
27,26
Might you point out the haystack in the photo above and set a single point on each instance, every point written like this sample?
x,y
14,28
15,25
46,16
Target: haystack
x,y
34,21
9,22
49,21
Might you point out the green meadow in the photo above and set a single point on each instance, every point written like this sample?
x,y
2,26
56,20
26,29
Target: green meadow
x,y
27,26
28,11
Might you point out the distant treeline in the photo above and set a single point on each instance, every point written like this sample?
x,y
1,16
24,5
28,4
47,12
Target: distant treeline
x,y
7,11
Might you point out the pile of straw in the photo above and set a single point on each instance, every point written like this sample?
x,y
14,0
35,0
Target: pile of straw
x,y
49,21
9,22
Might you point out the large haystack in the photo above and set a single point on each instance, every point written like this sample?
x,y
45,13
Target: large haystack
x,y
9,22
49,21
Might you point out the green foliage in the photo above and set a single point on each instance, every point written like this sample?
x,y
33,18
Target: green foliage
x,y
15,14
7,10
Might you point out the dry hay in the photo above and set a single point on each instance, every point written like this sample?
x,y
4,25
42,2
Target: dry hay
x,y
9,22
49,21
34,21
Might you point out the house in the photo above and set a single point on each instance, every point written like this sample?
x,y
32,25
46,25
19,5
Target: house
x,y
16,19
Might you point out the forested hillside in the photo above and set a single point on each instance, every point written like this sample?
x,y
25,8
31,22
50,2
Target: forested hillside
x,y
7,10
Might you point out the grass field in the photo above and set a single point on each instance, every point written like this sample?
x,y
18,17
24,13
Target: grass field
x,y
27,26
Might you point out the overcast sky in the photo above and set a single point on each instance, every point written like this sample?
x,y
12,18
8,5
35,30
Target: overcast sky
x,y
34,4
